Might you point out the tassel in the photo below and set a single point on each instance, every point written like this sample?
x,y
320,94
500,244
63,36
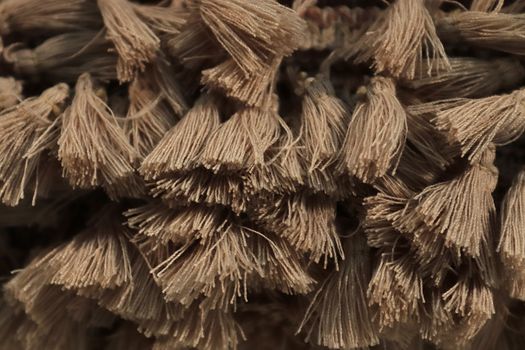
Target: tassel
x,y
307,222
179,225
338,312
64,57
376,134
135,42
397,40
496,31
511,246
181,145
468,77
324,121
253,89
93,148
279,266
252,33
10,92
27,131
472,302
140,300
241,141
474,124
148,117
201,186
212,330
194,45
95,258
462,208
395,291
49,16
197,269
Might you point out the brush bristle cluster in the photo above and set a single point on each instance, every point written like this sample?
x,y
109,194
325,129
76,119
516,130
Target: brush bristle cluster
x,y
262,174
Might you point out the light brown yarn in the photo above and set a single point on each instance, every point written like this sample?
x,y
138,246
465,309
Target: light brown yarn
x,y
28,129
396,45
135,42
95,158
376,134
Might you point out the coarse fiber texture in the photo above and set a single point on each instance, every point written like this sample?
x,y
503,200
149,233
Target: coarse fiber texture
x,y
262,174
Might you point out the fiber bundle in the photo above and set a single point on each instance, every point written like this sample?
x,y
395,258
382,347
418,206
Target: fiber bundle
x,y
242,174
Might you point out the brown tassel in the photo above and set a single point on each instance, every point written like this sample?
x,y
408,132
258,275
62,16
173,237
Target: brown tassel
x,y
201,186
462,209
180,147
324,121
241,141
468,77
95,258
211,330
338,312
93,148
51,16
474,124
376,134
307,222
10,92
176,225
280,266
472,302
148,117
493,30
511,245
399,38
135,42
395,291
196,269
253,89
64,57
252,33
27,131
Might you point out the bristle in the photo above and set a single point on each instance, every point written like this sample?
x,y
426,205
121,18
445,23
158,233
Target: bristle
x,y
475,123
376,134
399,38
338,312
28,130
135,42
93,148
